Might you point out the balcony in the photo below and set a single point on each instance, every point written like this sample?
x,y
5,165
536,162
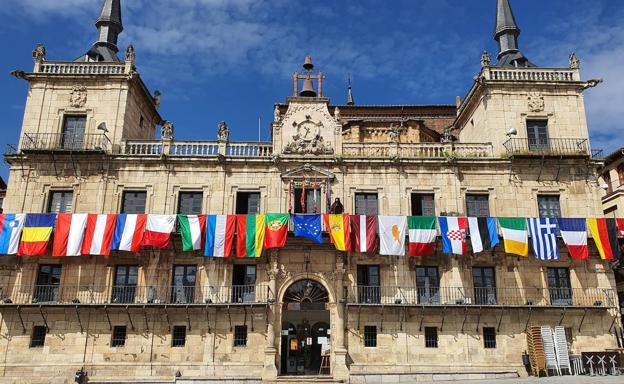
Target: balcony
x,y
53,295
60,142
417,150
532,147
197,149
482,297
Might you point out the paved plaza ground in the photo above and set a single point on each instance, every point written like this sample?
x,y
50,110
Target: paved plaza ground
x,y
546,380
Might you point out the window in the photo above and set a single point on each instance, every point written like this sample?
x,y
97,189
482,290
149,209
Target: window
x,y
607,179
133,202
183,286
431,337
119,336
428,285
423,204
247,203
240,336
370,336
244,284
190,203
37,340
47,284
60,201
559,286
73,132
569,337
126,277
366,204
178,336
477,206
620,172
548,206
537,133
369,291
312,201
489,337
484,282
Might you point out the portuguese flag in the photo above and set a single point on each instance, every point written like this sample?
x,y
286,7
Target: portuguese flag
x,y
276,230
249,235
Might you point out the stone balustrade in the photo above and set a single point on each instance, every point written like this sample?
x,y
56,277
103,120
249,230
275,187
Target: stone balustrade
x,y
85,68
258,149
194,148
532,74
418,150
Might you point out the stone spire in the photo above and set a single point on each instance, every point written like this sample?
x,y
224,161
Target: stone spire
x,y
506,34
350,94
109,27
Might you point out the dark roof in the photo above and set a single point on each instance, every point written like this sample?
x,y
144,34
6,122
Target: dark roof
x,y
109,25
506,32
2,184
614,156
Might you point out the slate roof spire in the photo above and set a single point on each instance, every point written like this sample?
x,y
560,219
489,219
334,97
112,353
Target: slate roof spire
x,y
350,94
506,34
109,27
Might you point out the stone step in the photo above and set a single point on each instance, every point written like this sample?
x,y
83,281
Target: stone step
x,y
305,380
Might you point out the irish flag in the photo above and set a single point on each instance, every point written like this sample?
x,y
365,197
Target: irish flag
x,y
515,235
422,235
276,230
158,230
219,235
250,235
192,231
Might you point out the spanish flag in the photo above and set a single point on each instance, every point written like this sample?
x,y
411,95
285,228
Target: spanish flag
x,y
339,229
36,234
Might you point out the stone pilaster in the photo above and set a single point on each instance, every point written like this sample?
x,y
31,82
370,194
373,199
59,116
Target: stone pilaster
x,y
339,365
270,350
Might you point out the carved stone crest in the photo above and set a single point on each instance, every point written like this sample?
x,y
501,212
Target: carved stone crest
x,y
308,139
535,102
78,96
166,132
223,132
277,115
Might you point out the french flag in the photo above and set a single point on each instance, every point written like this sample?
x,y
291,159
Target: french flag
x,y
453,231
98,236
129,231
68,234
158,230
574,234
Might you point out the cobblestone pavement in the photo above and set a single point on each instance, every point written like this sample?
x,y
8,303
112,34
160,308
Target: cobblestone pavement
x,y
543,380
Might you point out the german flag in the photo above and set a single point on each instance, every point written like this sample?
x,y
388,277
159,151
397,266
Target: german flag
x,y
36,234
604,232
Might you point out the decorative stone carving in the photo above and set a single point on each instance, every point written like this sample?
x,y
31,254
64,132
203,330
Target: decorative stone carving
x,y
394,134
78,96
283,273
575,62
276,115
130,54
536,102
337,114
166,132
308,139
223,132
156,98
486,59
39,54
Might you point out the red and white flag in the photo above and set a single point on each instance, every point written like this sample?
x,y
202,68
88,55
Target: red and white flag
x,y
158,230
363,233
98,237
68,234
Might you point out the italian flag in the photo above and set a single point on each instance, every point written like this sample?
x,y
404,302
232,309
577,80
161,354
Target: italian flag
x,y
192,231
250,235
276,230
515,235
422,235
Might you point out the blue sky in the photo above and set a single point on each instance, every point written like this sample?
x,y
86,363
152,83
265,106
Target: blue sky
x,y
231,60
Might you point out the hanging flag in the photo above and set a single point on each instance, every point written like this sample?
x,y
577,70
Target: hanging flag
x,y
363,233
544,238
604,232
68,234
620,225
574,234
453,231
339,230
515,235
483,233
158,229
219,235
36,234
392,235
308,226
303,196
250,235
192,231
129,231
276,230
11,225
98,236
422,235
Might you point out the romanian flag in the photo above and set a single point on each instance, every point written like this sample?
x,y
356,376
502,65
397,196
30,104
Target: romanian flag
x,y
604,232
250,235
276,230
339,229
36,234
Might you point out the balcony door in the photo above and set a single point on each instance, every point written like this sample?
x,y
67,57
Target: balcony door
x,y
126,278
484,282
183,285
369,291
48,284
244,284
428,285
559,286
537,131
73,132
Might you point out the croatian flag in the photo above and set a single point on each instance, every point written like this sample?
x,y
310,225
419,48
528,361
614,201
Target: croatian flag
x,y
11,226
544,238
129,231
158,230
98,236
453,230
574,234
68,234
220,235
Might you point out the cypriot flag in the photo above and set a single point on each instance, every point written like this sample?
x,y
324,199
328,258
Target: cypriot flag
x,y
392,231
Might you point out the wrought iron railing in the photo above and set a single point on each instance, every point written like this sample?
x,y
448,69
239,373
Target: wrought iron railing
x,y
549,147
134,294
89,142
485,296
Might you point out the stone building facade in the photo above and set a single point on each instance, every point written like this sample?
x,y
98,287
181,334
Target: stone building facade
x,y
516,146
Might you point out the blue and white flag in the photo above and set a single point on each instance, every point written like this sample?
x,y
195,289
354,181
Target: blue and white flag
x,y
544,238
11,226
308,226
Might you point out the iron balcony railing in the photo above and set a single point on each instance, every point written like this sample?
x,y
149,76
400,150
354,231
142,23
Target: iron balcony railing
x,y
549,147
91,142
487,296
135,294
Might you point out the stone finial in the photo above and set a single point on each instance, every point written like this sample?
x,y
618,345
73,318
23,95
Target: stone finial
x,y
575,62
166,132
277,115
337,114
39,54
486,59
130,53
156,98
394,134
223,132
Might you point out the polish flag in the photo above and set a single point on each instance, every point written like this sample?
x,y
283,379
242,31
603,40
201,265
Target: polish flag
x,y
158,230
129,231
364,233
99,234
68,234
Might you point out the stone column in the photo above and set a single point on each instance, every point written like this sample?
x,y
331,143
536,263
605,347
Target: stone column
x,y
339,365
270,351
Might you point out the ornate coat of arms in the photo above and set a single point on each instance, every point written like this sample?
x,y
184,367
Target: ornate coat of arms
x,y
78,96
536,102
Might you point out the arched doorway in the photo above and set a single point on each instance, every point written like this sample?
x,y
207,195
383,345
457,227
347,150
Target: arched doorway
x,y
305,328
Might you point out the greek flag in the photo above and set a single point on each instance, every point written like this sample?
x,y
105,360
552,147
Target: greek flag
x,y
544,238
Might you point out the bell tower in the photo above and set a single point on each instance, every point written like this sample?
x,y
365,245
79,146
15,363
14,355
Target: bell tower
x,y
308,77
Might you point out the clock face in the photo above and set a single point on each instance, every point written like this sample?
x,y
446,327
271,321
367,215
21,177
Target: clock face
x,y
308,130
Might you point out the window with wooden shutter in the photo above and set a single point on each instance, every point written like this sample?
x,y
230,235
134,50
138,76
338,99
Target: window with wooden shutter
x,y
133,202
477,206
549,206
366,204
423,204
190,203
247,203
60,202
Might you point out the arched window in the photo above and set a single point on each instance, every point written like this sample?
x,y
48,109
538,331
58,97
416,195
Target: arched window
x,y
306,294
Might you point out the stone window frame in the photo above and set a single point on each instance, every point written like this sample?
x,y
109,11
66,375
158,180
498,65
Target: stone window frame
x,y
490,192
238,339
89,113
178,340
381,198
370,336
46,193
38,336
435,191
560,192
549,117
262,189
147,188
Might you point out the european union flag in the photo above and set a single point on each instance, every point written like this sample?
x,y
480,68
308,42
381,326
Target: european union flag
x,y
308,226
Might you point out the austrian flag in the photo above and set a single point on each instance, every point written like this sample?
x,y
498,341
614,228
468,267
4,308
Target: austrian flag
x,y
98,236
453,230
